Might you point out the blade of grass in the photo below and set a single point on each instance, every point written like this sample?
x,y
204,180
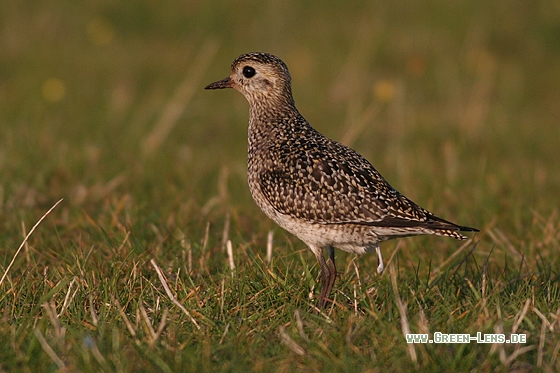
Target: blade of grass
x,y
26,238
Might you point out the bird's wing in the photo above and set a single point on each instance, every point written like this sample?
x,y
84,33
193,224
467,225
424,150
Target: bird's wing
x,y
342,187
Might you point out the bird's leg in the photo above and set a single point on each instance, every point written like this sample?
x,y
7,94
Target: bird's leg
x,y
332,269
328,275
380,267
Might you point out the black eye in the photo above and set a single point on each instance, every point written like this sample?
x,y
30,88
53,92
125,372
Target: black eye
x,y
248,72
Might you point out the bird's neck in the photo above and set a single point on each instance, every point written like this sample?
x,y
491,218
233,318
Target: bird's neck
x,y
275,118
271,125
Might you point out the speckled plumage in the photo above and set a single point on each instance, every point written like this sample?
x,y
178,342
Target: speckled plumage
x,y
323,192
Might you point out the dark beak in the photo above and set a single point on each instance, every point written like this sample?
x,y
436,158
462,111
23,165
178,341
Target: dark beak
x,y
220,84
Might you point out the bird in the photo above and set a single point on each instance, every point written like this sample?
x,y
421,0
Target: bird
x,y
321,191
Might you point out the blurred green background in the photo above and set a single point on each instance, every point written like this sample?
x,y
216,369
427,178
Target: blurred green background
x,y
459,98
457,94
456,103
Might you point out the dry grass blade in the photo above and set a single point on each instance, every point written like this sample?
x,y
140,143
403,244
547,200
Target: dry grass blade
x,y
555,354
321,312
357,126
483,292
546,323
59,330
540,352
180,99
499,237
518,352
26,238
147,322
225,232
48,349
125,319
23,229
499,329
222,298
397,248
162,324
224,334
230,255
402,311
519,320
170,294
93,313
69,295
292,345
423,325
439,269
300,326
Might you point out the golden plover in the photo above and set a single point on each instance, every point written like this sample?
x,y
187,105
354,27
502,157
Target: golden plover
x,y
323,192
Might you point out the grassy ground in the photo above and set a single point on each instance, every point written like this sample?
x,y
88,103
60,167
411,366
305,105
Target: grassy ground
x,y
101,104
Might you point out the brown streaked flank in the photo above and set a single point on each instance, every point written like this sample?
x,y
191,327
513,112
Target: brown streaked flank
x,y
323,192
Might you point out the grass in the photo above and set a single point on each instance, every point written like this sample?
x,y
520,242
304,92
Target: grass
x,y
102,105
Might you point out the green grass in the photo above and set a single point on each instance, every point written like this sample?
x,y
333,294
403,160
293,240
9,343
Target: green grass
x,y
455,103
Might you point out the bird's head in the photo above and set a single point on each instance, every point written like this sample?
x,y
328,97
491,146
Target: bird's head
x,y
261,77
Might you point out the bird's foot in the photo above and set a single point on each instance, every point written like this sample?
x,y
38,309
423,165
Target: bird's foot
x,y
380,267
